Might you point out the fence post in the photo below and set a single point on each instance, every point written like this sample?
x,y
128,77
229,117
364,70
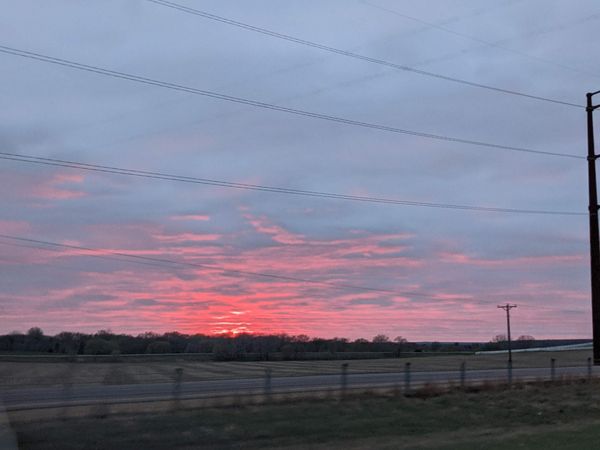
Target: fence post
x,y
510,373
344,378
589,369
406,378
553,369
268,387
463,370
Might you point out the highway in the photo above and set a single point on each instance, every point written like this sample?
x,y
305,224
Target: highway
x,y
56,396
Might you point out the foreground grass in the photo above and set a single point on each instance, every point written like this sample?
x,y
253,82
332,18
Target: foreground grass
x,y
529,416
20,374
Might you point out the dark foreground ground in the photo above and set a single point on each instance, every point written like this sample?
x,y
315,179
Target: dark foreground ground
x,y
539,416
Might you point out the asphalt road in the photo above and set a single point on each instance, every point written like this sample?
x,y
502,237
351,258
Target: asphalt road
x,y
33,398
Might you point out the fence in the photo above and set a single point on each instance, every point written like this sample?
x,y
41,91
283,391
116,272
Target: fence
x,y
66,393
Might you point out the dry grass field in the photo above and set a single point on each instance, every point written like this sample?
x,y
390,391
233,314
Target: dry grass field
x,y
13,374
532,416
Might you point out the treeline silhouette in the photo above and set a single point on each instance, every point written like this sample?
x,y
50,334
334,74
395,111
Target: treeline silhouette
x,y
220,347
239,346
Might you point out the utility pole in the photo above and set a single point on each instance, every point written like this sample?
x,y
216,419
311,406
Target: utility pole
x,y
594,234
507,308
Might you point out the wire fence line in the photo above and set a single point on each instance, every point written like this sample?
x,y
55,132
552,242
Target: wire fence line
x,y
68,392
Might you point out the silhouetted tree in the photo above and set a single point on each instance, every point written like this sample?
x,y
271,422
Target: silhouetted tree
x,y
525,341
223,350
159,347
361,345
67,342
526,337
400,342
100,346
35,333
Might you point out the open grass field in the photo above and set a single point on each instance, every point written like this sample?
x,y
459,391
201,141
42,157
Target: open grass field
x,y
13,374
535,416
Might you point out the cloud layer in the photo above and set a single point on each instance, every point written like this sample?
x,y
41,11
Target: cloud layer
x,y
439,273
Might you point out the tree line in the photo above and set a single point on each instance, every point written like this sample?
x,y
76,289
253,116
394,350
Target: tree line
x,y
239,346
223,347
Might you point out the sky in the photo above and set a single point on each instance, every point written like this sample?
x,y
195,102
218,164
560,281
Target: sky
x,y
163,255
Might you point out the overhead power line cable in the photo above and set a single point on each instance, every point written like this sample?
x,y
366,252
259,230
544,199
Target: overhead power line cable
x,y
129,257
349,54
58,250
271,189
484,42
259,104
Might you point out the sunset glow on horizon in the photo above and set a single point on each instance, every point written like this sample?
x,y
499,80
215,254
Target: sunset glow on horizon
x,y
216,216
120,294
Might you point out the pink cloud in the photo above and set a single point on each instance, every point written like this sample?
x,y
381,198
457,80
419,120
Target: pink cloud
x,y
187,237
14,226
276,232
57,187
191,217
462,258
206,299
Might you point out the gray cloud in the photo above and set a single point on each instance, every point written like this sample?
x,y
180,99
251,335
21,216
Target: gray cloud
x,y
56,112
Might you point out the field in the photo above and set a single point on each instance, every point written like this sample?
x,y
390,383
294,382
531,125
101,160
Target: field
x,y
13,374
537,416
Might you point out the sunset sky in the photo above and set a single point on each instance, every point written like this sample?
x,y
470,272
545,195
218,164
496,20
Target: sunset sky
x,y
432,273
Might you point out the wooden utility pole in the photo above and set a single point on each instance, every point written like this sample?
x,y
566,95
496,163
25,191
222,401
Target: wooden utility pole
x,y
507,308
594,234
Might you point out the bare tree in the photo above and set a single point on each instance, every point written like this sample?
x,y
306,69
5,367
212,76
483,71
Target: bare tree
x,y
526,337
499,338
400,341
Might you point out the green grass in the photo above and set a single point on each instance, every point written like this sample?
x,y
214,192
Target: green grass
x,y
562,437
529,416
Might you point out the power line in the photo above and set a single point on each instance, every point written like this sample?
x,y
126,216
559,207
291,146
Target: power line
x,y
555,27
528,34
157,264
272,189
478,40
305,42
170,267
71,268
109,258
259,104
101,253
